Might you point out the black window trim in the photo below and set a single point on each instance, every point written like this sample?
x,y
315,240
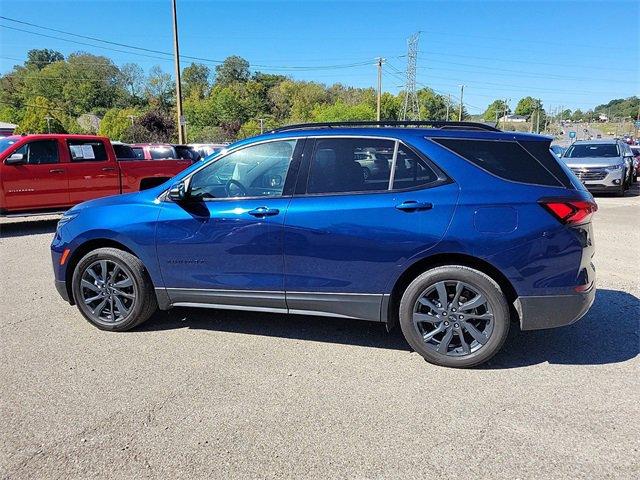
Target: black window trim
x,y
290,180
305,170
436,142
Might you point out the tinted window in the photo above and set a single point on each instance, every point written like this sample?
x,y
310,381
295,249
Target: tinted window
x,y
87,151
507,160
138,152
540,150
162,153
411,171
583,150
255,171
350,165
187,153
40,152
124,152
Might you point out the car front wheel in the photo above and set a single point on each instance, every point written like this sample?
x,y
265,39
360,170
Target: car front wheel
x,y
454,316
112,289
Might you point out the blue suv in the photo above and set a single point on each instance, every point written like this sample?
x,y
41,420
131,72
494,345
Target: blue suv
x,y
451,229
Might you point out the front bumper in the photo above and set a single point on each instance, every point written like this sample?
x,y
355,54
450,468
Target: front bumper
x,y
61,286
551,311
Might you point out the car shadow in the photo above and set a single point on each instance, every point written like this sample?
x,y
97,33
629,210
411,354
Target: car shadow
x,y
28,227
634,191
607,334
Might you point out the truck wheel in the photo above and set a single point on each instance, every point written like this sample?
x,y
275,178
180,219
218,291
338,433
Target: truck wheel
x,y
454,316
113,290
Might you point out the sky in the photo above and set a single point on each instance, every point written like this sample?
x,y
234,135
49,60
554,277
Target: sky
x,y
569,54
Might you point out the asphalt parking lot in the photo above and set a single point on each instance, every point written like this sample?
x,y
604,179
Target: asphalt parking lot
x,y
214,394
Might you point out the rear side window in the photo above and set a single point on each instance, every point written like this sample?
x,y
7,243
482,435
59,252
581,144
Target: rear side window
x,y
411,171
138,153
124,152
508,160
540,151
87,151
162,153
350,165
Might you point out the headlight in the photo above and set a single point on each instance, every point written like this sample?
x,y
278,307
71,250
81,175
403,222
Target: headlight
x,y
613,168
66,218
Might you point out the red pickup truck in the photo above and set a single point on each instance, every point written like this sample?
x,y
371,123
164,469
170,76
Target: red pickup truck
x,y
44,173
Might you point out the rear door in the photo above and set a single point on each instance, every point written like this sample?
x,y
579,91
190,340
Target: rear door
x,y
349,231
40,182
92,173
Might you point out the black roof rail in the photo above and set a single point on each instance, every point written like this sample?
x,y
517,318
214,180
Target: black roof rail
x,y
392,123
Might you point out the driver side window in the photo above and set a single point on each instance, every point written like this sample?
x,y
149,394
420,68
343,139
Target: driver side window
x,y
254,171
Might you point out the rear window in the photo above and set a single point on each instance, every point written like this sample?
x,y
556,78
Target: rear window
x,y
162,153
584,150
87,151
508,160
411,171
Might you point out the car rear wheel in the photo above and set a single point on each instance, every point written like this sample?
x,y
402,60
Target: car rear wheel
x,y
112,289
454,316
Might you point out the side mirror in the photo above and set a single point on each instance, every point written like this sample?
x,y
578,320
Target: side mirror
x,y
15,159
179,192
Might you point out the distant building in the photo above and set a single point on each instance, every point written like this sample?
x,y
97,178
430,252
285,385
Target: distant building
x,y
513,118
7,129
603,118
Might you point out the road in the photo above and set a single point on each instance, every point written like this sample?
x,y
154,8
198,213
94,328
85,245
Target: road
x,y
208,394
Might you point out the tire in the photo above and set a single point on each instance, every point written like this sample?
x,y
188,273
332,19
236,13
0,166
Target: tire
x,y
621,189
492,330
136,300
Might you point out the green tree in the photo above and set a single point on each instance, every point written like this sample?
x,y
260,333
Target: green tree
x,y
159,89
527,105
40,58
233,69
496,110
35,118
131,77
341,112
116,122
195,80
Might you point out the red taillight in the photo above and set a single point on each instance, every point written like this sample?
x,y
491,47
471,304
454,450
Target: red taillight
x,y
570,212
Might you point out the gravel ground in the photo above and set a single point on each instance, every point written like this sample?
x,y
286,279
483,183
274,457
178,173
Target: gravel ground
x,y
208,394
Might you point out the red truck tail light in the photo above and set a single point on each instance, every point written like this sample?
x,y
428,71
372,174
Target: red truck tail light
x,y
570,212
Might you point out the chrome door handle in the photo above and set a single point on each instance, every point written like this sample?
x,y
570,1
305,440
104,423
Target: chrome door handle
x,y
264,212
108,169
412,205
56,170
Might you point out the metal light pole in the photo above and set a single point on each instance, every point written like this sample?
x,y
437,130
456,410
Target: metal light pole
x,y
176,55
448,106
48,119
461,96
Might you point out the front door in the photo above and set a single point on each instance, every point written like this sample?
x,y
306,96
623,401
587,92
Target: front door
x,y
352,226
224,244
40,182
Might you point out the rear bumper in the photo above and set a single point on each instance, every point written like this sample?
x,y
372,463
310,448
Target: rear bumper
x,y
551,311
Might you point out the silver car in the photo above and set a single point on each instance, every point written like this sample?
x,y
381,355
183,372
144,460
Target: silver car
x,y
602,165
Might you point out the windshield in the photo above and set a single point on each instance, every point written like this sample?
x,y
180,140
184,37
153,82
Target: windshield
x,y
585,150
7,142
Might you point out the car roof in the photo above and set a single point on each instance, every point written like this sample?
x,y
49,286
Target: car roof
x,y
601,141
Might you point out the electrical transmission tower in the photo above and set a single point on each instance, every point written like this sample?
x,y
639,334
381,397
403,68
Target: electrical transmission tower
x,y
411,110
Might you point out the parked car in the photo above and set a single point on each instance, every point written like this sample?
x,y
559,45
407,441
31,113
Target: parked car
x,y
471,225
602,165
206,149
187,152
558,150
635,150
42,173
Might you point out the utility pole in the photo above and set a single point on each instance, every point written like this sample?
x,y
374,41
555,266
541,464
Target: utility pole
x,y
504,117
48,119
379,99
448,106
461,98
176,55
538,121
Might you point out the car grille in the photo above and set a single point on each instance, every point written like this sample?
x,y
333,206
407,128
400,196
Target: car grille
x,y
587,174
